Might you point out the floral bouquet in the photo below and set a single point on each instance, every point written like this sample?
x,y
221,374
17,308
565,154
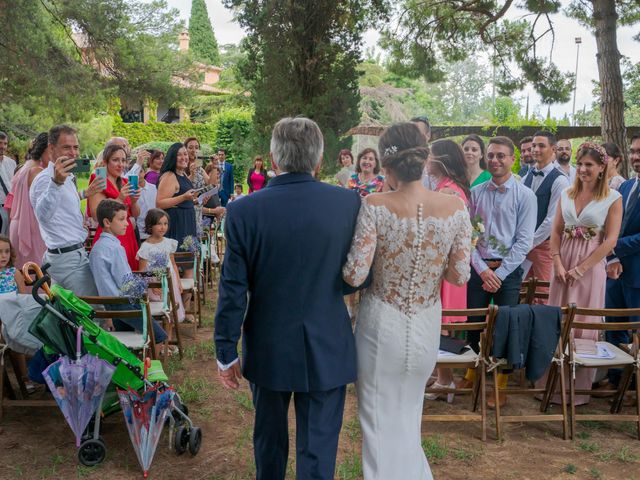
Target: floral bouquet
x,y
477,230
190,244
158,262
577,231
134,287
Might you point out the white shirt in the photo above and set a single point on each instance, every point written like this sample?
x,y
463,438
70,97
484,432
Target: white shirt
x,y
544,230
57,208
7,167
572,171
147,201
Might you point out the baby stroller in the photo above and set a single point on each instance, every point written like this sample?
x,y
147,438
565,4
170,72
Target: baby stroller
x,y
57,325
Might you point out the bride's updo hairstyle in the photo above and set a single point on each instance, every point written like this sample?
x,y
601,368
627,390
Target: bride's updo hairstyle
x,y
403,151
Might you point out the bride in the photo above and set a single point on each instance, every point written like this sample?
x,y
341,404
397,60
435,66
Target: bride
x,y
411,239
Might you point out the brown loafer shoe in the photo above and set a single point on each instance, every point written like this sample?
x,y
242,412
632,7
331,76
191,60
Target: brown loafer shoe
x,y
502,399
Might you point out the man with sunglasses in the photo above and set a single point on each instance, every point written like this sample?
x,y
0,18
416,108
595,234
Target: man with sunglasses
x,y
547,182
507,210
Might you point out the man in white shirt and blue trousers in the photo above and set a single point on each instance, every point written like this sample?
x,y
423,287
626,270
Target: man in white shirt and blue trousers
x,y
56,204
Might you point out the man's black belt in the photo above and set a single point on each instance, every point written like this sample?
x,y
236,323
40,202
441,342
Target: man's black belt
x,y
68,249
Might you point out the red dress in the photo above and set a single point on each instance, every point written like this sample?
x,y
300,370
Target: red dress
x,y
128,240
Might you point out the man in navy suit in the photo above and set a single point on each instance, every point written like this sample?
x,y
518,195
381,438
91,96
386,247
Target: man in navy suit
x,y
623,267
281,284
226,177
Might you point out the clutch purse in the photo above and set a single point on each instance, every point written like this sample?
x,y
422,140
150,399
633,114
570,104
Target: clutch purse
x,y
452,345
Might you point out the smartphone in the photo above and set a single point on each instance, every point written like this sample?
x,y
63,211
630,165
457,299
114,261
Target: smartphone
x,y
83,165
133,182
101,172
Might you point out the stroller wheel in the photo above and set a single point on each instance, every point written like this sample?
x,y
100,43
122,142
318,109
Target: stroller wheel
x,y
181,440
92,452
195,440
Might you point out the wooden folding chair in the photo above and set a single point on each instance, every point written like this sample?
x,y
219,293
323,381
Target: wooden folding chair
x,y
626,357
467,359
166,310
556,372
135,341
186,261
527,288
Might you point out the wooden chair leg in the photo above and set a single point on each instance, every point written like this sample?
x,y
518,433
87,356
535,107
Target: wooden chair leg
x,y
623,387
572,400
198,308
483,402
496,393
638,399
563,399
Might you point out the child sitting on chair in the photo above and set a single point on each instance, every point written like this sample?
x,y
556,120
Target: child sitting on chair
x,y
109,264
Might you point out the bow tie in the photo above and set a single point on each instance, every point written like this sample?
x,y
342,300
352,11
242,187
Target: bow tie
x,y
538,173
500,188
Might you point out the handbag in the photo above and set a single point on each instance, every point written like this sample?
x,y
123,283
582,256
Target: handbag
x,y
452,345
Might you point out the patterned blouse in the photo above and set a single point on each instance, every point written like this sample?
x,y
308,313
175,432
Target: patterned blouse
x,y
364,189
7,280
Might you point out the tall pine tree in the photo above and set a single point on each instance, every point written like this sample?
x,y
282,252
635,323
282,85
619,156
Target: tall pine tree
x,y
203,44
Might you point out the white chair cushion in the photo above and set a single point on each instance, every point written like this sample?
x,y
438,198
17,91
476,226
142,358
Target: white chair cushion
x,y
466,356
621,358
157,309
131,340
187,283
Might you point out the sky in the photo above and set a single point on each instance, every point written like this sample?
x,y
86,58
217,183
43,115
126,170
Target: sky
x,y
564,54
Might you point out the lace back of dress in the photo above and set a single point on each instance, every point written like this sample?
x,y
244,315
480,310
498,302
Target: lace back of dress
x,y
419,254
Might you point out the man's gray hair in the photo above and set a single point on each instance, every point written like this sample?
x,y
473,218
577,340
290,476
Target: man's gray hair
x,y
297,145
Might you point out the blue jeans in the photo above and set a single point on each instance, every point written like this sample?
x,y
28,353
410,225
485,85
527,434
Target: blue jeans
x,y
135,324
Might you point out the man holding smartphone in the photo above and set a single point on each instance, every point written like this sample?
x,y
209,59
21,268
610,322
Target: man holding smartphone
x,y
56,204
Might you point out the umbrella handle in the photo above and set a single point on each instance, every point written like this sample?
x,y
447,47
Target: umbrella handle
x,y
27,268
79,343
147,364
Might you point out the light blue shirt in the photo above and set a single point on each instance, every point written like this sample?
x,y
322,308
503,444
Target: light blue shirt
x,y
109,265
509,217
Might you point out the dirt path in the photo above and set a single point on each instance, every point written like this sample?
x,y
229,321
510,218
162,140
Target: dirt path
x,y
37,444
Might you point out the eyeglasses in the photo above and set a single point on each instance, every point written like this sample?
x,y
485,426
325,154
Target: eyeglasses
x,y
498,156
634,152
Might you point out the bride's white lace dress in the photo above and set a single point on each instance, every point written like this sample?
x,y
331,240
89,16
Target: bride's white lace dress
x,y
398,327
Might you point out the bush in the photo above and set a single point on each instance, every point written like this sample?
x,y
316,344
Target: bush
x,y
144,133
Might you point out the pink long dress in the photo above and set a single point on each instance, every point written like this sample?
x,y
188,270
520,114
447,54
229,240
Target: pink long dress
x,y
589,291
451,295
24,232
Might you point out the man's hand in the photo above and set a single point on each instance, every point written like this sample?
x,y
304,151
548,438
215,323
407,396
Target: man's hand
x,y
491,282
63,168
142,157
231,377
614,270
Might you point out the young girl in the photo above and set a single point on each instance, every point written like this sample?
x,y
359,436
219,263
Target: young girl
x,y
156,226
11,279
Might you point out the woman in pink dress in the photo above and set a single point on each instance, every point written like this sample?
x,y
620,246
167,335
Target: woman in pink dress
x,y
446,165
24,232
257,177
585,230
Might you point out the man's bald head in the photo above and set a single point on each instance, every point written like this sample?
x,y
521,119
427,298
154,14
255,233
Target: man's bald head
x,y
121,142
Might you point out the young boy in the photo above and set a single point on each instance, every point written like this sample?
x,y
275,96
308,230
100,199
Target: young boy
x,y
109,265
238,192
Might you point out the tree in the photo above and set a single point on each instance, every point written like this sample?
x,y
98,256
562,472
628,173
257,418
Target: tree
x,y
63,60
301,59
426,32
203,44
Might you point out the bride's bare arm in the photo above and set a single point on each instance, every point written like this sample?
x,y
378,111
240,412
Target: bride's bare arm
x,y
363,246
459,263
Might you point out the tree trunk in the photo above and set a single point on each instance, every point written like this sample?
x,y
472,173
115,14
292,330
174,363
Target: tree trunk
x,y
612,99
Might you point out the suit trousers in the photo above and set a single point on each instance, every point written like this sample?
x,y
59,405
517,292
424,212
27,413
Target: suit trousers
x,y
318,424
542,266
620,295
508,294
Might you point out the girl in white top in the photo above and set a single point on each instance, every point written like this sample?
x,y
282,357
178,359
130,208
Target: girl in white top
x,y
156,226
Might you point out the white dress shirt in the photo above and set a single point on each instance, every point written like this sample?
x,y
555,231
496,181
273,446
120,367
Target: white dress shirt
x,y
561,182
57,208
7,168
572,171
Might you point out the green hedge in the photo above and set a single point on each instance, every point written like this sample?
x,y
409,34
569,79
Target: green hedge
x,y
140,133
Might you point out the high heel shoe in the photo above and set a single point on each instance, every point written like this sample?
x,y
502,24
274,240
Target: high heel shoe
x,y
436,396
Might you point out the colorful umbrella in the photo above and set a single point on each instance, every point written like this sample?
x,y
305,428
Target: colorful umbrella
x,y
145,415
78,386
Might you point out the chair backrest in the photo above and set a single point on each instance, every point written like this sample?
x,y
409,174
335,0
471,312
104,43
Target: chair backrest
x,y
485,327
186,260
534,289
606,312
171,300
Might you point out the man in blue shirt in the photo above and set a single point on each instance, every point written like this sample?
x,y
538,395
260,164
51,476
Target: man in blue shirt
x,y
507,209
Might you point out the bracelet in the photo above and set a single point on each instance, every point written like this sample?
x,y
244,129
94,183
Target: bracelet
x,y
555,254
54,181
580,274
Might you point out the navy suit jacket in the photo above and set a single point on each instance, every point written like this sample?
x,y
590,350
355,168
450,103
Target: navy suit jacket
x,y
227,183
281,283
627,248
